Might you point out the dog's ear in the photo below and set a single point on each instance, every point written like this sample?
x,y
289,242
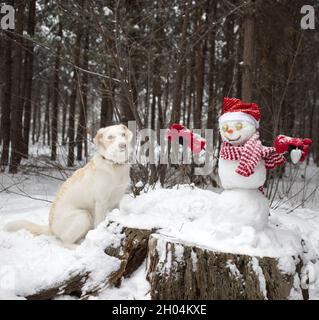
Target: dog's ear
x,y
128,132
98,137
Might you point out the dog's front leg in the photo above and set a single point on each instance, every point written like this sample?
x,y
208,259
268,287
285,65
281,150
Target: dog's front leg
x,y
100,213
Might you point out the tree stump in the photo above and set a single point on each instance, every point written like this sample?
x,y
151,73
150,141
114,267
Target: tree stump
x,y
132,252
182,271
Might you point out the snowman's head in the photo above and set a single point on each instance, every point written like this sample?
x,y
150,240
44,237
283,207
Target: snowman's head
x,y
239,121
236,132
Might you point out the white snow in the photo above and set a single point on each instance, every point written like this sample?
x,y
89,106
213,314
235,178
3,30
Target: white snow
x,y
28,263
233,269
241,208
287,265
107,11
259,272
195,216
35,263
136,287
194,261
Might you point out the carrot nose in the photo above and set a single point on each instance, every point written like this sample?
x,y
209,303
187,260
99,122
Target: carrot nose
x,y
230,131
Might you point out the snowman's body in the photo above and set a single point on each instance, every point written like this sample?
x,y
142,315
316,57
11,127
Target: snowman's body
x,y
231,180
241,203
251,206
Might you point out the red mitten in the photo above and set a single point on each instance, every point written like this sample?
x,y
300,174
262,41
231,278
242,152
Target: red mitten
x,y
287,144
194,142
305,148
283,143
174,130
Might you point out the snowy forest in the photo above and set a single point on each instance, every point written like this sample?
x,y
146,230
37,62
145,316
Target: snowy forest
x,y
69,68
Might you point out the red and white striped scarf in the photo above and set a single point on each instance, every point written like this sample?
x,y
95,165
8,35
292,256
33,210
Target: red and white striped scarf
x,y
250,154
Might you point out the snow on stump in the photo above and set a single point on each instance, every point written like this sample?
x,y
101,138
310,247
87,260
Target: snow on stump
x,y
129,246
181,271
132,253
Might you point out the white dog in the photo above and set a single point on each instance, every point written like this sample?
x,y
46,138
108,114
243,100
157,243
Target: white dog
x,y
91,192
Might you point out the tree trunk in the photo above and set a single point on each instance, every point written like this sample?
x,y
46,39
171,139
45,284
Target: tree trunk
x,y
17,103
73,97
200,73
211,112
28,78
132,253
64,115
46,126
228,54
180,65
107,107
37,113
6,101
35,110
247,76
82,125
107,110
179,271
55,103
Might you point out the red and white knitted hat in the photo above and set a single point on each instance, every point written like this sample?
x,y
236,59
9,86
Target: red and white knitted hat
x,y
235,110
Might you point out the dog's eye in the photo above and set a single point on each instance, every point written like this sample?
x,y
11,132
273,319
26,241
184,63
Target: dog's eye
x,y
123,134
110,137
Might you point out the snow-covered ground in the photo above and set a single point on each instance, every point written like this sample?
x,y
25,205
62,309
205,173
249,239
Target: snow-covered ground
x,y
29,263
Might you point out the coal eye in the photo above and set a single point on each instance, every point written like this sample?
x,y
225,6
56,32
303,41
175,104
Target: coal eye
x,y
239,126
225,127
110,137
123,134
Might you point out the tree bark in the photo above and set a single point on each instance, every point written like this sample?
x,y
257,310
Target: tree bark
x,y
47,126
228,54
55,101
6,101
82,124
107,109
132,253
73,97
17,102
179,271
211,112
200,72
64,115
180,66
28,78
247,76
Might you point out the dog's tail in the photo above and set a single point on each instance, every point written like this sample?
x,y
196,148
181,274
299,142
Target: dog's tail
x,y
35,229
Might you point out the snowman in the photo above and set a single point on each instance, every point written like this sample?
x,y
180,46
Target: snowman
x,y
243,164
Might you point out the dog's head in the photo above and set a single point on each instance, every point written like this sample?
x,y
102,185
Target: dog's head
x,y
113,143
